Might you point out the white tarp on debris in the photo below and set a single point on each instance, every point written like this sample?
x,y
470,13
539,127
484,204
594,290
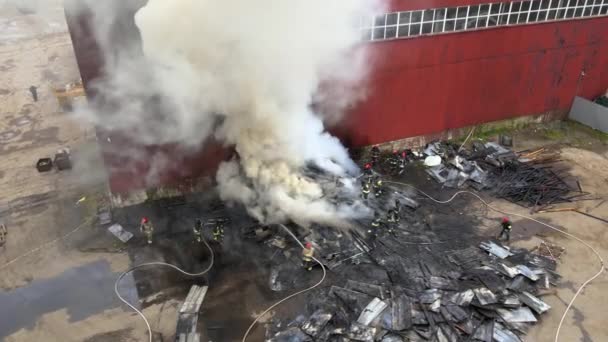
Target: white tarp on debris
x,y
432,161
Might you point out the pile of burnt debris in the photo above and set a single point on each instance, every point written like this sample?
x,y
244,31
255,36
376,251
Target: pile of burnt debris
x,y
421,282
526,178
428,274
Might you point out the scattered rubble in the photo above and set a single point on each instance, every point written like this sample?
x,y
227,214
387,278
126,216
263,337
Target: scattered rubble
x,y
407,284
549,250
187,320
104,216
120,233
524,178
389,290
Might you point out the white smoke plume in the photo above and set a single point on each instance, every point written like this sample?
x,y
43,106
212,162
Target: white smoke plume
x,y
246,73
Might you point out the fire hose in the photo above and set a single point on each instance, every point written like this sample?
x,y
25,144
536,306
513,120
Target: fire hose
x,y
291,295
159,263
84,223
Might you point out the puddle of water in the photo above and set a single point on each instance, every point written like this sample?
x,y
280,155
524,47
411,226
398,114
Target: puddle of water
x,y
83,291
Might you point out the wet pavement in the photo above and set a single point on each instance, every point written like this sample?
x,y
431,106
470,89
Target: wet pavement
x,y
83,291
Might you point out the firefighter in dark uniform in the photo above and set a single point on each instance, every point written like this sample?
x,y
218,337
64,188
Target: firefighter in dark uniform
x,y
402,162
393,213
506,229
365,189
394,160
378,186
368,173
197,229
218,230
393,217
307,254
147,228
375,154
376,225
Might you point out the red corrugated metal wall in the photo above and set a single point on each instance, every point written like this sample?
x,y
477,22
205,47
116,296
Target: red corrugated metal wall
x,y
429,84
421,85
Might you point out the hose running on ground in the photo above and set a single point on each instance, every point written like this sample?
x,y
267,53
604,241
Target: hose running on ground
x,y
85,222
467,139
292,295
580,289
159,263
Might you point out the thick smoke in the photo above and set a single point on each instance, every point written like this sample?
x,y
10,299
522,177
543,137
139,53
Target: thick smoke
x,y
246,73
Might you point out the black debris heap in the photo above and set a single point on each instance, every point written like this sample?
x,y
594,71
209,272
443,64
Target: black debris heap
x,y
423,281
526,178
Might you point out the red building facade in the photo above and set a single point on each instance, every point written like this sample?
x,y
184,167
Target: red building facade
x,y
444,64
472,61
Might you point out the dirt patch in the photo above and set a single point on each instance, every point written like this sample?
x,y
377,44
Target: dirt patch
x,y
9,135
26,109
561,133
21,120
50,75
7,66
49,135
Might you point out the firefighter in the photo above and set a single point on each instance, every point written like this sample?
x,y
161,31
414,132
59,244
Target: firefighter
x,y
376,224
375,154
506,229
147,228
197,229
307,254
365,189
377,186
367,169
3,234
218,230
402,162
368,173
393,213
394,160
